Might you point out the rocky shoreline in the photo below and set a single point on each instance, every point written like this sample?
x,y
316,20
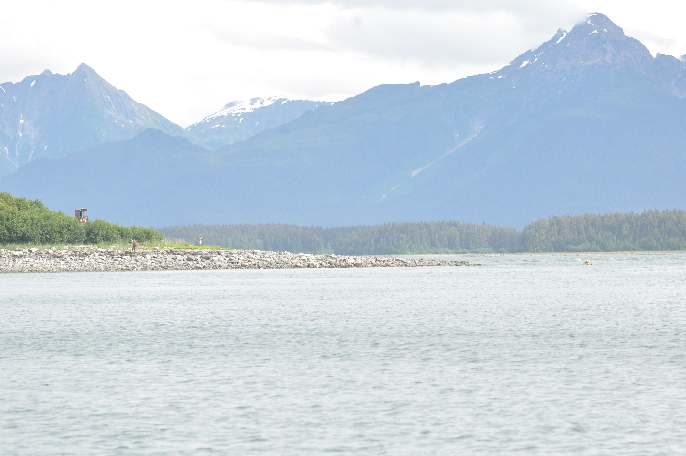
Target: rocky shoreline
x,y
89,259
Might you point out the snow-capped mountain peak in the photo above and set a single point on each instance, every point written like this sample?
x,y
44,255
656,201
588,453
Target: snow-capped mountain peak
x,y
242,107
596,41
239,120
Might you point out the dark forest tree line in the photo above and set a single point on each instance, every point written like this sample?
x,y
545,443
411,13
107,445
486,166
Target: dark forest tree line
x,y
650,230
389,238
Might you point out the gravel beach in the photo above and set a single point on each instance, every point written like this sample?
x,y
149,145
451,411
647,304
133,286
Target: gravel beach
x,y
95,259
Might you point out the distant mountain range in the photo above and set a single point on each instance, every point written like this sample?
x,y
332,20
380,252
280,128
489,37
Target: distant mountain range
x,y
239,120
588,122
51,115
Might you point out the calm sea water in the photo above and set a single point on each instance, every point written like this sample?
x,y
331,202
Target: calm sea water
x,y
530,355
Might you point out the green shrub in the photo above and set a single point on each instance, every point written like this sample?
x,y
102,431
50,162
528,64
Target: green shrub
x,y
24,221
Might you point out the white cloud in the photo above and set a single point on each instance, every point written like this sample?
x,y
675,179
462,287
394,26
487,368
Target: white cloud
x,y
526,7
447,40
436,33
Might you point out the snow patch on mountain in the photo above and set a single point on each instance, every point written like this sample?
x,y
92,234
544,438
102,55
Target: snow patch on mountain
x,y
226,126
242,107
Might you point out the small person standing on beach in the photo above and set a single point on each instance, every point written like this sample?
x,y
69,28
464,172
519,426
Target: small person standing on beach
x,y
134,244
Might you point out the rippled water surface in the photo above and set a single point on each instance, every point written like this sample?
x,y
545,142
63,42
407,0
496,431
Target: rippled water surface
x,y
531,355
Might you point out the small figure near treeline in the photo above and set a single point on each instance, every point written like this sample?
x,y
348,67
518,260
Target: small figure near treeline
x,y
199,240
80,215
134,244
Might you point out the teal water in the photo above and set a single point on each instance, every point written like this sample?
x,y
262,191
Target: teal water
x,y
530,355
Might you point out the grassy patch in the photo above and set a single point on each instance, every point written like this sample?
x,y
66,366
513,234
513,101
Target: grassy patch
x,y
164,244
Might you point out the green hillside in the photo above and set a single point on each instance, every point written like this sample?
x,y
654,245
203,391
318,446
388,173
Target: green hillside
x,y
24,221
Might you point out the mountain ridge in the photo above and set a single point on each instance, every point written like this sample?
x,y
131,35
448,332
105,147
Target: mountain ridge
x,y
52,115
240,120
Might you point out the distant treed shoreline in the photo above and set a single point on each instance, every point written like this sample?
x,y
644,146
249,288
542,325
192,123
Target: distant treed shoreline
x,y
651,230
25,222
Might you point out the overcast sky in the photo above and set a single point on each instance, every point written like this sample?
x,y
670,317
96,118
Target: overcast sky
x,y
186,59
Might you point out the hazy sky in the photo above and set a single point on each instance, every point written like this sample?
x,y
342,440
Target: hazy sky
x,y
186,59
